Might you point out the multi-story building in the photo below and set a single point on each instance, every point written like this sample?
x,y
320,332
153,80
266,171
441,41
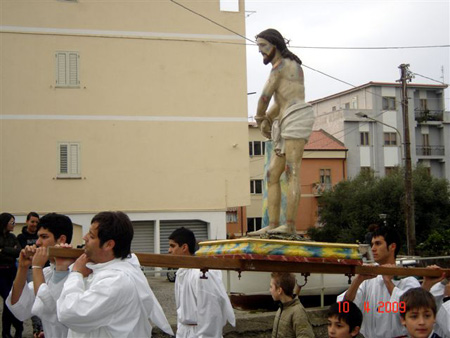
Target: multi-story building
x,y
136,106
323,166
376,141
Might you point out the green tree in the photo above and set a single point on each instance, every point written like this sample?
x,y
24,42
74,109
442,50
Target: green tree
x,y
347,210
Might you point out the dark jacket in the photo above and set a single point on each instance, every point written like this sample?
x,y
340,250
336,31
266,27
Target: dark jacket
x,y
10,249
25,238
291,321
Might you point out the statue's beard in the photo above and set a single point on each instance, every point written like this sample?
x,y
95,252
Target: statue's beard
x,y
267,58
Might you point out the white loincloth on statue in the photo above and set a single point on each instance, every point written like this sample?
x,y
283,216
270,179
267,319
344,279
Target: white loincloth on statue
x,y
296,123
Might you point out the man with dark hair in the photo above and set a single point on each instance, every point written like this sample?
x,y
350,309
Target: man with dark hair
x,y
29,237
344,320
29,231
367,291
106,293
38,298
291,319
203,306
288,122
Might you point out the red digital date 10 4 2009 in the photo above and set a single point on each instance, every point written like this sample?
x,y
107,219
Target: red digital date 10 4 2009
x,y
382,307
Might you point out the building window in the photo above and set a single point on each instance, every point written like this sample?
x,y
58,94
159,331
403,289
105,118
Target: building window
x,y
390,139
389,103
325,178
69,160
388,170
423,105
333,108
426,144
67,69
257,148
364,136
229,5
254,223
347,105
365,170
256,186
232,215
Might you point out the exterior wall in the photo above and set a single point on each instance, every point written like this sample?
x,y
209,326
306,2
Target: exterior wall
x,y
160,113
312,163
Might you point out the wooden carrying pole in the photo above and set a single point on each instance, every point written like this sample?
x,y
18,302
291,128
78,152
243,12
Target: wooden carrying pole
x,y
220,263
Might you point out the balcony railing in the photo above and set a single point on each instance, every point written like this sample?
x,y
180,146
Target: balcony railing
x,y
320,188
430,150
422,116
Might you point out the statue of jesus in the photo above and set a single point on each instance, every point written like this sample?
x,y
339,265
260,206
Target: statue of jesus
x,y
288,122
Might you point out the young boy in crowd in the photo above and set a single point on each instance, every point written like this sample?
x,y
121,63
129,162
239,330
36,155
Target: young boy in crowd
x,y
344,320
291,319
419,313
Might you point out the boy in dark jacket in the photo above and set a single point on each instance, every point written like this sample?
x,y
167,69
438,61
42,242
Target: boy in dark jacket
x,y
291,319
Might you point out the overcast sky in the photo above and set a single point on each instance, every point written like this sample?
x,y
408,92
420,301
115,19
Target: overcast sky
x,y
363,23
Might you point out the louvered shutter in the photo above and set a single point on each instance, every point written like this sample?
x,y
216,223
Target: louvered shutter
x,y
61,62
69,159
144,237
67,69
73,164
73,69
63,159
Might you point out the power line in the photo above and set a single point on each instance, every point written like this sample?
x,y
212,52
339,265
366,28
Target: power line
x,y
307,47
371,48
429,78
212,21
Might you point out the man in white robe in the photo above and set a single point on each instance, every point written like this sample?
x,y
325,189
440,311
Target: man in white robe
x,y
371,293
443,317
106,293
203,306
38,297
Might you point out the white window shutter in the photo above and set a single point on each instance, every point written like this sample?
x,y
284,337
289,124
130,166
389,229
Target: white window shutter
x,y
61,69
69,160
67,69
63,159
73,69
73,159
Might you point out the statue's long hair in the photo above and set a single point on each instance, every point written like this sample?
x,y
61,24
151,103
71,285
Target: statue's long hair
x,y
276,39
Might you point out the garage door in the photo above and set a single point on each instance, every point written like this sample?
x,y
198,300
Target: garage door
x,y
199,228
144,237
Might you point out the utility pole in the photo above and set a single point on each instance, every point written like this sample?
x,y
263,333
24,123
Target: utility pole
x,y
409,194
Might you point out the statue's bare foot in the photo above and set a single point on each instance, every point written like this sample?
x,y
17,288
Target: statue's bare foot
x,y
261,231
283,229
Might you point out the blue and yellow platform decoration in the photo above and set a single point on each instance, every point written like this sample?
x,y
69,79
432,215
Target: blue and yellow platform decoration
x,y
282,250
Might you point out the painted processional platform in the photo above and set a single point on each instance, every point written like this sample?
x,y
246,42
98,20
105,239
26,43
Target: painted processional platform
x,y
282,250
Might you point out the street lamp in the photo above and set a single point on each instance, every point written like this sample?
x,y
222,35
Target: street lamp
x,y
362,115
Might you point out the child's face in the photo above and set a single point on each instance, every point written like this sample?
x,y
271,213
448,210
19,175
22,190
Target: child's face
x,y
274,290
419,322
337,328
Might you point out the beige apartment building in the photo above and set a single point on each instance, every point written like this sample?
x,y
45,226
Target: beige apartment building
x,y
137,106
